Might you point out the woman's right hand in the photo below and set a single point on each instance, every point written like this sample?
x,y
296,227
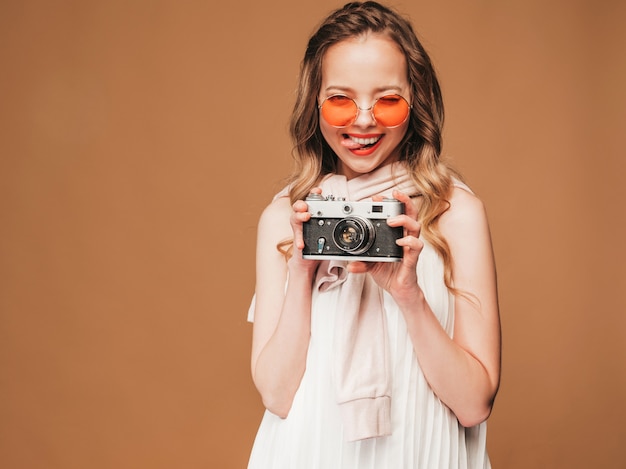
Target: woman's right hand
x,y
299,216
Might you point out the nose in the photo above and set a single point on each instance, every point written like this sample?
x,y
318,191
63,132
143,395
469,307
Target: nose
x,y
364,117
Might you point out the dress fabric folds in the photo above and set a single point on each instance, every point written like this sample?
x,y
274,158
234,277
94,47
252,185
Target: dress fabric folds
x,y
425,433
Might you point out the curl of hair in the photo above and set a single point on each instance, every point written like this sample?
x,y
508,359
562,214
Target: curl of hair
x,y
421,146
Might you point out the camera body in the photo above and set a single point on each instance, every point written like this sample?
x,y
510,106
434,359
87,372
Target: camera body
x,y
339,229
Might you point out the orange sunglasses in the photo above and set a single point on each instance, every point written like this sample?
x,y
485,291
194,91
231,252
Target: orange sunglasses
x,y
389,110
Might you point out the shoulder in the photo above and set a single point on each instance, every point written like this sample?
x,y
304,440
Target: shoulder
x,y
466,229
274,220
278,210
466,211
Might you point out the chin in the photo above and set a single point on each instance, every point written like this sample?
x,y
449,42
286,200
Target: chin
x,y
363,164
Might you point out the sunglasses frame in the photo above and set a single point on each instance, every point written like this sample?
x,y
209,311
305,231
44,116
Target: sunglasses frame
x,y
370,109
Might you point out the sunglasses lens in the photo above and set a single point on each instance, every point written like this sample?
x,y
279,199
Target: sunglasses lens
x,y
391,111
339,111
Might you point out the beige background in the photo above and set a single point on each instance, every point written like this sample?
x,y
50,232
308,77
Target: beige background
x,y
139,141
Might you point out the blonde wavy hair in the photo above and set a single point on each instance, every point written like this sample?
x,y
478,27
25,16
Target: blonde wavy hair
x,y
420,149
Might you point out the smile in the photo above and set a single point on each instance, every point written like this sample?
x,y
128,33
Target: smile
x,y
365,141
353,142
362,145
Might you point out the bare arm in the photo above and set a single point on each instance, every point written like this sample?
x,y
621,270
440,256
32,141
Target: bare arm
x,y
464,371
282,322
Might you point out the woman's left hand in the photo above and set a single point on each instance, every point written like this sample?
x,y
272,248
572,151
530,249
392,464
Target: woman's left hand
x,y
398,278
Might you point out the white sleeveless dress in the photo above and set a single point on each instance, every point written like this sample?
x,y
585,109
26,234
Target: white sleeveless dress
x,y
425,433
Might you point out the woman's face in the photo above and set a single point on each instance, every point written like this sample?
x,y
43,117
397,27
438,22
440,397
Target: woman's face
x,y
364,68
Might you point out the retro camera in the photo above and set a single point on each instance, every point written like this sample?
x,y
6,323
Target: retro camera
x,y
339,229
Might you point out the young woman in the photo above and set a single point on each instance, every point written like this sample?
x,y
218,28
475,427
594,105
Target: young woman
x,y
374,364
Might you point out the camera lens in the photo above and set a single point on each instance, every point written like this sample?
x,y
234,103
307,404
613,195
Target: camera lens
x,y
354,235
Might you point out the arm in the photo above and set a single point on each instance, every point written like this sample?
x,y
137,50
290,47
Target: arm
x,y
464,371
282,322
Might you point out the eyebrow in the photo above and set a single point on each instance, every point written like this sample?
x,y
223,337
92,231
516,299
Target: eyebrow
x,y
380,89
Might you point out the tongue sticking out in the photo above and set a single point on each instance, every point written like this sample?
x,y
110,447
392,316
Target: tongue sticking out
x,y
354,145
351,144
